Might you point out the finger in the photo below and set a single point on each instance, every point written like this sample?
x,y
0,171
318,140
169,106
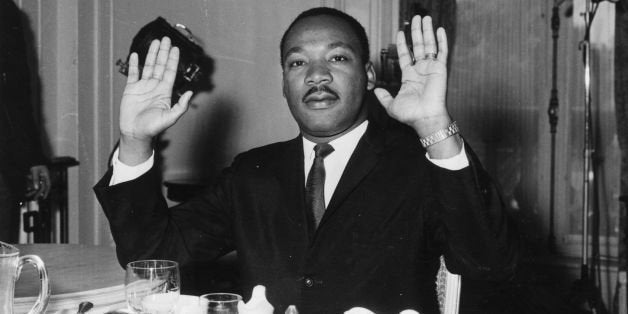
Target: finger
x,y
171,66
443,48
147,72
40,187
180,107
417,38
34,178
162,58
46,185
133,74
31,187
429,42
405,59
384,97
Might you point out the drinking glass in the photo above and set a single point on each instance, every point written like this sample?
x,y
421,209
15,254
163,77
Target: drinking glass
x,y
152,286
220,303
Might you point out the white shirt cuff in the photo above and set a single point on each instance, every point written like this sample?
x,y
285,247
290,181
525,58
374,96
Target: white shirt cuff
x,y
457,162
123,173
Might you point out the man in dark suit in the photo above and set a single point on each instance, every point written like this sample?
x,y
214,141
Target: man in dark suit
x,y
21,155
369,233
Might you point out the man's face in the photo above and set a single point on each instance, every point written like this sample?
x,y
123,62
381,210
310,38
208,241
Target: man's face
x,y
324,78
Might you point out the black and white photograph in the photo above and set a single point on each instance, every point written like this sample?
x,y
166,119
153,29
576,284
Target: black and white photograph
x,y
326,156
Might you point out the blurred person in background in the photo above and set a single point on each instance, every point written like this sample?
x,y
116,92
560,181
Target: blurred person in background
x,y
23,171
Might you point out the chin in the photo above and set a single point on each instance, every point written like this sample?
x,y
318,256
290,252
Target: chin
x,y
325,131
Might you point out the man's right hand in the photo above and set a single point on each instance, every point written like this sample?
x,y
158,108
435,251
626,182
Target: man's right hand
x,y
145,110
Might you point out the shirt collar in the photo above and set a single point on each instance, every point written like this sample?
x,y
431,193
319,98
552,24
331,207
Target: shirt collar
x,y
343,145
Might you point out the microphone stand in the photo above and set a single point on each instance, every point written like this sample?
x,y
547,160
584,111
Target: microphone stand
x,y
586,285
585,46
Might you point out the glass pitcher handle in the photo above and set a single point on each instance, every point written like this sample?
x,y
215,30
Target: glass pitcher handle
x,y
44,290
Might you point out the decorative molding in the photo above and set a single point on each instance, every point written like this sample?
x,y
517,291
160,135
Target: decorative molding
x,y
394,18
571,245
375,29
379,18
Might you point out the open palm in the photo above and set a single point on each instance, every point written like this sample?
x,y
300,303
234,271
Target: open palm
x,y
145,109
424,81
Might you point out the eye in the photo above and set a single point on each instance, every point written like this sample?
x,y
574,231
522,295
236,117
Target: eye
x,y
339,58
295,63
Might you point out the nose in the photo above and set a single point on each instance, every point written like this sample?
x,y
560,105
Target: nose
x,y
318,73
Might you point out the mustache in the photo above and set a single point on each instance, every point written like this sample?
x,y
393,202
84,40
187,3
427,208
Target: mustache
x,y
320,88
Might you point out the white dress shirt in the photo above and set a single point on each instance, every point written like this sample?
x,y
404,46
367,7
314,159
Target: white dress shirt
x,y
335,162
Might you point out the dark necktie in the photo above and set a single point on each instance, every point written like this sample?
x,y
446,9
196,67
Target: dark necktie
x,y
315,185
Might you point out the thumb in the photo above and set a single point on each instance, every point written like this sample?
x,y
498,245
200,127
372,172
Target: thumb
x,y
180,107
384,97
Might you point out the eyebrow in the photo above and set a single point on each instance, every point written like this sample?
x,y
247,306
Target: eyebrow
x,y
336,44
340,44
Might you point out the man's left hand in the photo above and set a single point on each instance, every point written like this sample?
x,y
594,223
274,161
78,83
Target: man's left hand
x,y
420,102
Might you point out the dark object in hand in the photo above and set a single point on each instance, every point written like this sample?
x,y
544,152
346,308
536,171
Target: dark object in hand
x,y
195,67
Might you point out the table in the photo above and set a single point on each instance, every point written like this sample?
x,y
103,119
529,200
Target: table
x,y
76,273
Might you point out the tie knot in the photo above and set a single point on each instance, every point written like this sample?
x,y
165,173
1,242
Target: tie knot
x,y
322,150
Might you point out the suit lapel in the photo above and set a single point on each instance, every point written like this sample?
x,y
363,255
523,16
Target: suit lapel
x,y
362,161
291,179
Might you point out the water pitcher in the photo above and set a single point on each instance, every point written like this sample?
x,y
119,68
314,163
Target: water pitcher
x,y
10,267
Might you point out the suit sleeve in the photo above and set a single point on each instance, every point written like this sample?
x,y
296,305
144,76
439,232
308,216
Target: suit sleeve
x,y
477,235
143,227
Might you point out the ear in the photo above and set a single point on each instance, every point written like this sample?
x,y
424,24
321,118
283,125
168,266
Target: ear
x,y
370,75
283,87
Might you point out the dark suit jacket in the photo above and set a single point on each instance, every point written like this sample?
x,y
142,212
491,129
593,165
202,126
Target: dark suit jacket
x,y
378,245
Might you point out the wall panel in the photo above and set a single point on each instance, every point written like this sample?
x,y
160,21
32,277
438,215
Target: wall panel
x,y
500,91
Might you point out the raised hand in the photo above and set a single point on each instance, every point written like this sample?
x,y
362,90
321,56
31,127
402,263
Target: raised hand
x,y
39,183
420,102
145,109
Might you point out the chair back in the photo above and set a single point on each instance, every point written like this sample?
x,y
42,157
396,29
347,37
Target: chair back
x,y
447,289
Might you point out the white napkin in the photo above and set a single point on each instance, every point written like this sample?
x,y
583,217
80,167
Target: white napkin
x,y
258,304
188,304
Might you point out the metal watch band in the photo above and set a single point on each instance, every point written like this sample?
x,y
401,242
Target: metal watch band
x,y
439,135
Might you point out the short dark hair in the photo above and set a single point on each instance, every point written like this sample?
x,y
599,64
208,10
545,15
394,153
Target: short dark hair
x,y
355,26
